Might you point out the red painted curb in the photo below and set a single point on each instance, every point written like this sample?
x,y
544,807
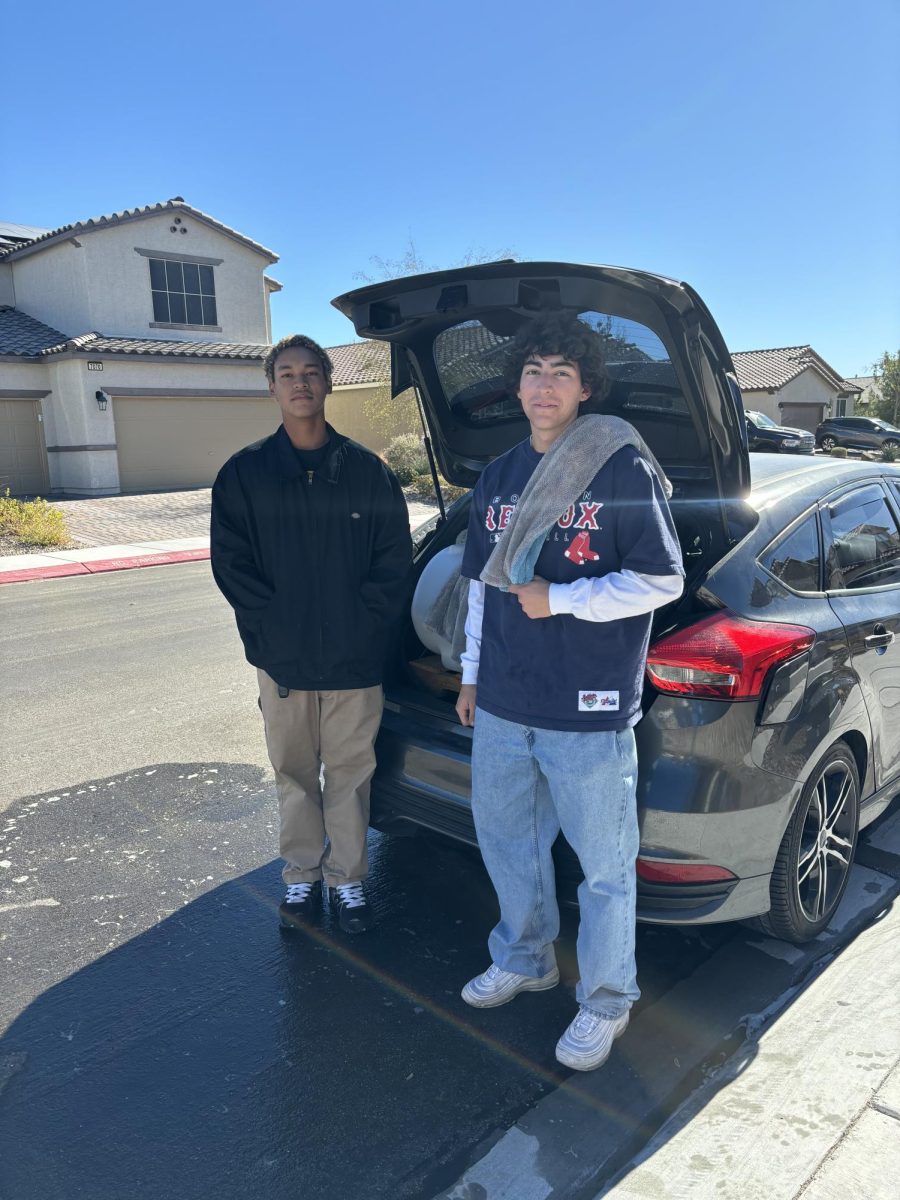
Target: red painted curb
x,y
146,560
54,572
103,564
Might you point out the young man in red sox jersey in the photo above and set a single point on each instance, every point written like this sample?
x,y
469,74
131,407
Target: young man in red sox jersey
x,y
559,665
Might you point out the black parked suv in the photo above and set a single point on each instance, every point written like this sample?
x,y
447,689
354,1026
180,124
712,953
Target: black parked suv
x,y
860,433
764,434
769,735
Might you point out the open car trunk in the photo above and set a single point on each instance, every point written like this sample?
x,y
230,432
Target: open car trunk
x,y
670,373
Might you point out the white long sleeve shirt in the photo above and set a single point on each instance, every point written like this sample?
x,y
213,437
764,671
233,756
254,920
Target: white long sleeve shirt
x,y
609,598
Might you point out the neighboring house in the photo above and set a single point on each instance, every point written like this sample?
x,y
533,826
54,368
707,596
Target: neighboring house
x,y
361,405
173,382
793,385
869,391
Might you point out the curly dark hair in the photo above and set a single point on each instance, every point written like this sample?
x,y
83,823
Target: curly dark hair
x,y
305,343
559,333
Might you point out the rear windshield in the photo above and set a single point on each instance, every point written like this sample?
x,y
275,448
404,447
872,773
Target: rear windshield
x,y
469,358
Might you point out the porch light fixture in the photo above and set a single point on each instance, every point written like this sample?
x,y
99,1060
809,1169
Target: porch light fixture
x,y
102,400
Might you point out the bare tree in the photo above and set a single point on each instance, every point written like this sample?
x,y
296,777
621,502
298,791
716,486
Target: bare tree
x,y
412,262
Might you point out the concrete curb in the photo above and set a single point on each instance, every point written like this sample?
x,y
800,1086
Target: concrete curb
x,y
59,566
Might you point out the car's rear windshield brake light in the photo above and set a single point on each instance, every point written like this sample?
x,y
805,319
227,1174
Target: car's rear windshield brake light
x,y
724,656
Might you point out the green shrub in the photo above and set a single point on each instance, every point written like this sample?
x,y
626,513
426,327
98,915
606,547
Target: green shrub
x,y
33,522
838,451
422,487
889,453
406,457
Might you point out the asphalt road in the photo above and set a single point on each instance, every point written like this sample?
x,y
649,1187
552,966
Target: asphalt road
x,y
163,1038
103,674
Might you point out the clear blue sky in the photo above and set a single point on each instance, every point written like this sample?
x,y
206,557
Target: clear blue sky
x,y
752,149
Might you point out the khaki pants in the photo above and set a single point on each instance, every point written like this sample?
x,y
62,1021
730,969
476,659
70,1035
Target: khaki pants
x,y
306,732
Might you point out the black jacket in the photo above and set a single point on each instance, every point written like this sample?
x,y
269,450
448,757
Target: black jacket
x,y
315,565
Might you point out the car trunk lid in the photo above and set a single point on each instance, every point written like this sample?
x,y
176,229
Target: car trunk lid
x,y
671,373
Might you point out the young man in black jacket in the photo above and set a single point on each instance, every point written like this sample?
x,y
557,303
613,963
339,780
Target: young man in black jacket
x,y
310,546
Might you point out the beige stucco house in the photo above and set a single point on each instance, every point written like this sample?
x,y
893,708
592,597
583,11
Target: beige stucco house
x,y
131,350
793,385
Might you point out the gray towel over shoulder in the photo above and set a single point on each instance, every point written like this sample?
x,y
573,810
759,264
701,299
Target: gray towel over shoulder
x,y
563,473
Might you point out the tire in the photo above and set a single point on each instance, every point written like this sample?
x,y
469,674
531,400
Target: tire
x,y
828,443
812,866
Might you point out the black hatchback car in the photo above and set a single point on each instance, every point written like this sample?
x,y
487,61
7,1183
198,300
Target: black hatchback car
x,y
769,734
764,434
859,433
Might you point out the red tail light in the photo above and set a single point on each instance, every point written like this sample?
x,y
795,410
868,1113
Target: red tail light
x,y
724,657
654,871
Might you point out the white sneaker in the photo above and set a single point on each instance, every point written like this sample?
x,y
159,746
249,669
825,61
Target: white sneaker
x,y
496,986
587,1042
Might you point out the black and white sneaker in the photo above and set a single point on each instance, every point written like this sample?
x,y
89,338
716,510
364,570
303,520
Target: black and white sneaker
x,y
298,905
355,914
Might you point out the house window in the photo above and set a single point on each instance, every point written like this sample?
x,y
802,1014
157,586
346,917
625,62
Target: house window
x,y
184,293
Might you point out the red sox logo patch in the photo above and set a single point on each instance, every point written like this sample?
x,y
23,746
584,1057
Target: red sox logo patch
x,y
579,551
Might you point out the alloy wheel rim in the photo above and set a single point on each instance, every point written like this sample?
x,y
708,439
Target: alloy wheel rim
x,y
826,843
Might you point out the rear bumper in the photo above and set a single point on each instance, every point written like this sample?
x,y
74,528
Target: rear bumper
x,y
702,798
401,810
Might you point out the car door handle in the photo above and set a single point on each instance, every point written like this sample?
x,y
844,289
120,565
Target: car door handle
x,y
881,637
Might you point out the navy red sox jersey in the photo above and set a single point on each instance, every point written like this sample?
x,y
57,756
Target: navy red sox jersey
x,y
563,672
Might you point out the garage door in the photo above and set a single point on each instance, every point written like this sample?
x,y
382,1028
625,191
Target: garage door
x,y
23,460
802,416
167,443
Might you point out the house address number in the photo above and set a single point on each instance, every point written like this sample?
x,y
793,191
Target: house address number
x,y
92,366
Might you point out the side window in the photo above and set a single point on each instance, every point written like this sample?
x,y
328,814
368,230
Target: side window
x,y
794,559
863,545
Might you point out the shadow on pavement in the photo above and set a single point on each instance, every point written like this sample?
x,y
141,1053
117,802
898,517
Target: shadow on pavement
x,y
167,1039
173,1042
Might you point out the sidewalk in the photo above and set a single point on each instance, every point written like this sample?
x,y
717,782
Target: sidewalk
x,y
796,1099
813,1114
119,533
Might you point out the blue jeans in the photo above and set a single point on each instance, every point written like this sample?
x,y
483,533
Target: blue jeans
x,y
527,784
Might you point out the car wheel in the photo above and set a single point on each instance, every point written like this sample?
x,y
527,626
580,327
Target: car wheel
x,y
816,852
828,443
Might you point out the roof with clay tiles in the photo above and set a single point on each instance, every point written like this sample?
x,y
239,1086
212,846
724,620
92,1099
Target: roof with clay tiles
x,y
176,206
759,370
360,362
21,334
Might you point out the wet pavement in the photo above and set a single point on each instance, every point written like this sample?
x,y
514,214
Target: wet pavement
x,y
166,1038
